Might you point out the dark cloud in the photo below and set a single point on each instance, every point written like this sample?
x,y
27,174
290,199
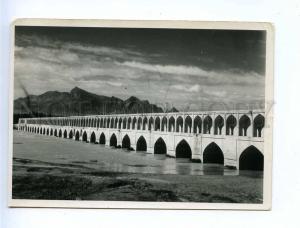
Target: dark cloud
x,y
183,67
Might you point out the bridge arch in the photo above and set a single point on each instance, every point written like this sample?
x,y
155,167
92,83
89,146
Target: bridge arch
x,y
120,123
84,136
164,124
145,123
171,124
93,138
116,122
179,124
230,125
251,159
140,123
113,140
213,154
197,125
207,124
219,124
244,124
188,124
258,125
141,144
71,134
102,139
124,123
134,123
151,122
65,134
183,150
129,123
77,136
160,146
157,124
126,142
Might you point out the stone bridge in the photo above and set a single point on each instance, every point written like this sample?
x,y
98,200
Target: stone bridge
x,y
232,138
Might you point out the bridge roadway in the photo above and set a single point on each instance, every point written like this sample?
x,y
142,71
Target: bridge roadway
x,y
232,138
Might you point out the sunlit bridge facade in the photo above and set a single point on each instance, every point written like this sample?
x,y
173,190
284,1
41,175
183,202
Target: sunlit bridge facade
x,y
232,138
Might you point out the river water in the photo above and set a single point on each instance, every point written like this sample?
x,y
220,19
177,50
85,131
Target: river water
x,y
65,151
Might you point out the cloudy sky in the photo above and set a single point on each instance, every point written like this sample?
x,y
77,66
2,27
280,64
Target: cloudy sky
x,y
188,69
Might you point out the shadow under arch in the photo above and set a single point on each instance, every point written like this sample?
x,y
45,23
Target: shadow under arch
x,y
126,142
71,134
213,154
112,141
65,134
84,137
93,138
183,150
251,159
77,136
160,146
102,139
141,144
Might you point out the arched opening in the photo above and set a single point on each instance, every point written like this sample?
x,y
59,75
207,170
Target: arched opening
x,y
51,132
126,142
244,123
197,125
84,137
102,139
108,123
145,123
112,141
157,124
65,134
213,154
160,147
230,125
44,131
151,121
116,123
124,123
188,124
77,136
129,123
164,124
219,124
183,150
251,159
139,124
141,144
207,124
133,123
112,123
47,131
93,138
258,125
120,123
179,124
171,124
60,133
71,134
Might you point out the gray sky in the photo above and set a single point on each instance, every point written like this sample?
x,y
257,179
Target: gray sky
x,y
189,69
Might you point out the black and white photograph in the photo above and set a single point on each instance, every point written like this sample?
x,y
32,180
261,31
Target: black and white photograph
x,y
141,115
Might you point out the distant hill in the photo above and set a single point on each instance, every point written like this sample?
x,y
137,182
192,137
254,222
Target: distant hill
x,y
79,102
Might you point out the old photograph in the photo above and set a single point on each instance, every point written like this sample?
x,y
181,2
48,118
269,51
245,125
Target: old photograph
x,y
129,114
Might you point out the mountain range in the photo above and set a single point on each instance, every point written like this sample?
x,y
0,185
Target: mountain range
x,y
80,102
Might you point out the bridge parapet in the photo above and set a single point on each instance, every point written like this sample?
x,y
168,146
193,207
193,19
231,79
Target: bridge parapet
x,y
243,123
